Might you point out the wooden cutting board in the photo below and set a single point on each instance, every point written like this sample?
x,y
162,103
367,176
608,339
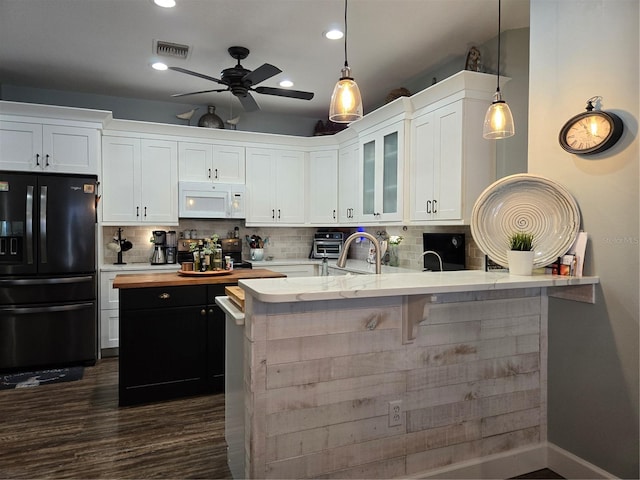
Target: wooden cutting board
x,y
236,295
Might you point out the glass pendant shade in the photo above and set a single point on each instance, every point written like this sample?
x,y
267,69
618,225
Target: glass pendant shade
x,y
346,102
498,122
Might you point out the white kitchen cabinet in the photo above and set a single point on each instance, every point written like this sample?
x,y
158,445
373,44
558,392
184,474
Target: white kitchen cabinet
x,y
323,187
380,184
451,162
202,162
275,183
140,181
348,176
36,147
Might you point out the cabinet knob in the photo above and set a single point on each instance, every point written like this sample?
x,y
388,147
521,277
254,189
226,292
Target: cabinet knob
x,y
203,312
164,296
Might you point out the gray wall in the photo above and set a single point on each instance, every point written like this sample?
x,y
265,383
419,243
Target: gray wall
x,y
582,48
162,112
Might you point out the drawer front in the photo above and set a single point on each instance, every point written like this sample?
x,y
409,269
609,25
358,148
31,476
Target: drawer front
x,y
162,297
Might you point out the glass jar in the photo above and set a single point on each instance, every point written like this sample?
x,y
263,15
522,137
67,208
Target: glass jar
x,y
216,257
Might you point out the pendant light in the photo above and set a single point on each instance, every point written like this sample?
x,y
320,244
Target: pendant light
x,y
346,102
498,122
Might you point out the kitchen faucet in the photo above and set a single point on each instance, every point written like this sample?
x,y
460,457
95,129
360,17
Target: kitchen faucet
x,y
345,248
434,253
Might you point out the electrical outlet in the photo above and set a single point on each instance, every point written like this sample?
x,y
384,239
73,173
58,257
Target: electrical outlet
x,y
395,413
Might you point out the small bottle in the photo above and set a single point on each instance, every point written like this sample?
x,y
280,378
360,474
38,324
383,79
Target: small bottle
x,y
324,268
236,232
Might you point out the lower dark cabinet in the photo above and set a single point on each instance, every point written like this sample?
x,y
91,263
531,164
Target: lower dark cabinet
x,y
171,343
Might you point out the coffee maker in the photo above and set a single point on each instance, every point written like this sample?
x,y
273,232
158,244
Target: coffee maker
x,y
159,256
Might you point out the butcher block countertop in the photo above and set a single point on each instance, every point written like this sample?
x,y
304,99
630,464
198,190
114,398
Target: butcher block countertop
x,y
174,279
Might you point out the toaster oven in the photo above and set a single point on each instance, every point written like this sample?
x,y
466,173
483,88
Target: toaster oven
x,y
327,244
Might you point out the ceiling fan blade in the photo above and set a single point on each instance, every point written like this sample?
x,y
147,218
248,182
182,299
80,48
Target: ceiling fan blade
x,y
196,74
248,103
284,92
261,73
201,91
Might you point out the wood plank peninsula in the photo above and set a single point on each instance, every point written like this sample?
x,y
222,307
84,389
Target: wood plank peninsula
x,y
397,375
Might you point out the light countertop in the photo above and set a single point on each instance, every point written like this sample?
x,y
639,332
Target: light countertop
x,y
287,290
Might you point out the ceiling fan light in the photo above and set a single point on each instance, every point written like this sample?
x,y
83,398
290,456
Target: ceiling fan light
x,y
286,83
159,66
498,122
334,34
165,3
346,102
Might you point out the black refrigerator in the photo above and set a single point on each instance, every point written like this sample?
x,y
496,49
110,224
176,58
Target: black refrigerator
x,y
48,290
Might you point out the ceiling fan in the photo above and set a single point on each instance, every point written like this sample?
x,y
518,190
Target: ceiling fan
x,y
240,81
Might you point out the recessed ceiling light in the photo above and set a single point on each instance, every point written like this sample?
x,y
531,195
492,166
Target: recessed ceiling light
x,y
334,34
165,3
159,66
286,83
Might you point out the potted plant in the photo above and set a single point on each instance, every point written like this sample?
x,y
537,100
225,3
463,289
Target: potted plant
x,y
520,253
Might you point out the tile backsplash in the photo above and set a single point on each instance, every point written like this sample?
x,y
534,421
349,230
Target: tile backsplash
x,y
284,242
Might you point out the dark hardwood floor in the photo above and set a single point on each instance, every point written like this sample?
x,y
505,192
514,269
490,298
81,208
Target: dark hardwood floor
x,y
77,430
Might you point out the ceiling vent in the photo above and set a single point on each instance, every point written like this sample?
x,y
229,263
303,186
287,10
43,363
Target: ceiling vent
x,y
168,49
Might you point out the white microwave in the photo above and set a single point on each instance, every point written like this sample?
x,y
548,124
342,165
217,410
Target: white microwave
x,y
210,200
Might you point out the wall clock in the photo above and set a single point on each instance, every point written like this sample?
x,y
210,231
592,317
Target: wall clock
x,y
590,132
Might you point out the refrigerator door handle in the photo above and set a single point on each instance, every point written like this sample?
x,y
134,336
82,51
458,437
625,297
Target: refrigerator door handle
x,y
44,309
10,282
43,224
29,224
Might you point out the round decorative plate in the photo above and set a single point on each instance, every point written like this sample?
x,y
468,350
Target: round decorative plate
x,y
208,273
530,204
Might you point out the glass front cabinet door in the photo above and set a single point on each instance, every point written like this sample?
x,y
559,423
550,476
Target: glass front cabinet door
x,y
381,174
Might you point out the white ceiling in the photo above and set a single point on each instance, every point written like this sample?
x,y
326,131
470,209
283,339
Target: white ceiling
x,y
106,46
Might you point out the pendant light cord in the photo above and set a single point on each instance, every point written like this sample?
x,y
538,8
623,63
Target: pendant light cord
x,y
499,14
346,64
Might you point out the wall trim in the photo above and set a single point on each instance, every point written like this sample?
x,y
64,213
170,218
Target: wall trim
x,y
521,461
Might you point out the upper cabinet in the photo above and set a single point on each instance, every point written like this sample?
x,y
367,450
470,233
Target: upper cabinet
x,y
382,160
349,204
275,187
202,162
36,147
451,163
140,181
322,187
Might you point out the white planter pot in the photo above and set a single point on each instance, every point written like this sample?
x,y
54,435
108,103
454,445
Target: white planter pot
x,y
257,254
520,263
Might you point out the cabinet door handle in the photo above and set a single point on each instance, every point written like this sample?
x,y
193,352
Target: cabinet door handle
x,y
209,173
37,159
334,214
203,312
138,211
216,174
278,214
428,206
435,206
164,296
46,164
145,212
273,214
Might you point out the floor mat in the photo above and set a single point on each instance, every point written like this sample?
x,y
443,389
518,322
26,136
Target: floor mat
x,y
41,377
